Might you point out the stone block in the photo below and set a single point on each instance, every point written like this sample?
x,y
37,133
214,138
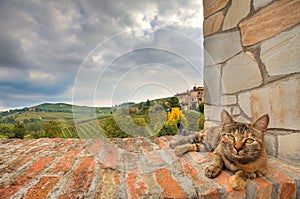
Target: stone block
x,y
270,21
260,3
228,100
288,146
281,54
237,11
240,73
236,111
213,23
242,119
212,6
212,77
209,124
279,99
271,144
219,48
244,102
213,113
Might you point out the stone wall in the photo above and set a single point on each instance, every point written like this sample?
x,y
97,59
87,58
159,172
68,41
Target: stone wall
x,y
252,67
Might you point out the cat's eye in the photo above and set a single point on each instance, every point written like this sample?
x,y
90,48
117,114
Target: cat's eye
x,y
249,141
230,136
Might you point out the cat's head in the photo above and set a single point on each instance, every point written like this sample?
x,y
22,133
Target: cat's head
x,y
242,141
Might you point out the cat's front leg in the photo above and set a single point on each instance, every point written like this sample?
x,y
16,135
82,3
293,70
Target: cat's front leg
x,y
180,150
215,168
241,178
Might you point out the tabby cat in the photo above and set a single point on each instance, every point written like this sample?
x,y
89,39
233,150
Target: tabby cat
x,y
239,147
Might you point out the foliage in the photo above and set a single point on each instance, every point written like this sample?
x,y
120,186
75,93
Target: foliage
x,y
194,121
111,128
16,130
150,118
52,129
201,107
171,125
148,103
168,130
19,130
6,130
174,116
174,102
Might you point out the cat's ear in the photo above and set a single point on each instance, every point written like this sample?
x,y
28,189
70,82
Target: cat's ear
x,y
226,118
261,123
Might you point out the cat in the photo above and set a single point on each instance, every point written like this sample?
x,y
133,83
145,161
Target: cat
x,y
237,146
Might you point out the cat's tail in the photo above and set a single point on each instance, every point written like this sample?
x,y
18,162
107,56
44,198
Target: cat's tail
x,y
185,132
189,137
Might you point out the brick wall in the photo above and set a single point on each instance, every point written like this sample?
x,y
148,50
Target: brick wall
x,y
252,67
124,168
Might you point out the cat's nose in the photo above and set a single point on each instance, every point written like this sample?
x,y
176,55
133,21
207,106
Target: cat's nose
x,y
238,146
238,149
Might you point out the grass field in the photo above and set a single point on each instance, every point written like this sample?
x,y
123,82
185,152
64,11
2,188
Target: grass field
x,y
60,116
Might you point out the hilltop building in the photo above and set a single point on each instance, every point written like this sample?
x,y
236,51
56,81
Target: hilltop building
x,y
190,99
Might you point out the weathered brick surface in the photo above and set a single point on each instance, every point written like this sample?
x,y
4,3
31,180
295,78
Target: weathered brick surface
x,y
223,180
169,185
65,162
42,188
68,170
135,186
285,186
111,156
263,188
108,185
23,179
81,179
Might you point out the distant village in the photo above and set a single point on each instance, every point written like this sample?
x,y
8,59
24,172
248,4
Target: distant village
x,y
190,99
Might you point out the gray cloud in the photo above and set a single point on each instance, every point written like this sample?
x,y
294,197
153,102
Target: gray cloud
x,y
43,44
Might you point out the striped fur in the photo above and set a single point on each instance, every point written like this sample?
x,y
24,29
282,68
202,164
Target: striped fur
x,y
237,146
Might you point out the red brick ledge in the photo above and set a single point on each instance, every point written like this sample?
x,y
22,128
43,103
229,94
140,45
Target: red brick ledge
x,y
124,168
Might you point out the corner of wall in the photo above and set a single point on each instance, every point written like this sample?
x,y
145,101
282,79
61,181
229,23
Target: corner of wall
x,y
252,67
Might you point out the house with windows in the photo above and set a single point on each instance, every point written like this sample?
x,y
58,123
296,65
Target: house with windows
x,y
190,99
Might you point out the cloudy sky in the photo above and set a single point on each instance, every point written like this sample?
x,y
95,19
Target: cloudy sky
x,y
100,52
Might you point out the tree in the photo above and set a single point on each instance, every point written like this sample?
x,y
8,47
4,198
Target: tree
x,y
53,129
112,129
141,106
6,130
174,102
171,127
201,107
148,103
19,130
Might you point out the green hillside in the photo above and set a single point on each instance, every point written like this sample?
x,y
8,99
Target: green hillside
x,y
57,120
51,111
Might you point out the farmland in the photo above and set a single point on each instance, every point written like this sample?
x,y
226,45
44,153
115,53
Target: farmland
x,y
67,121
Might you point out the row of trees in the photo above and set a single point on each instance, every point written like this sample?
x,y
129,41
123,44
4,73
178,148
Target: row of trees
x,y
151,122
38,129
148,119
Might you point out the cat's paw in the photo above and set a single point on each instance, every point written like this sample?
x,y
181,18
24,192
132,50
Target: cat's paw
x,y
212,171
237,183
180,150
